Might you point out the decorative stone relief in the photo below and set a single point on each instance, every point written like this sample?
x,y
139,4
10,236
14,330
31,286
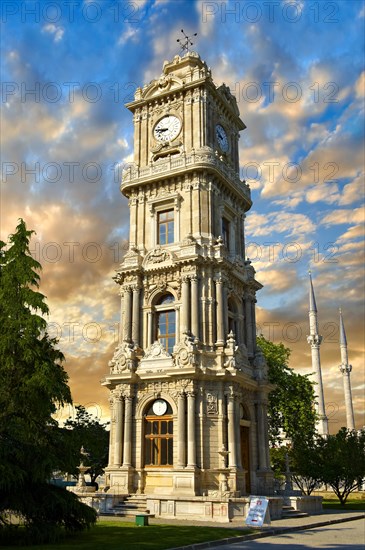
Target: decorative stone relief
x,y
185,352
260,365
212,402
157,255
156,351
124,359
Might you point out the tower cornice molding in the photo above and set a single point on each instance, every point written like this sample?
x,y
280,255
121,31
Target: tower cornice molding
x,y
204,161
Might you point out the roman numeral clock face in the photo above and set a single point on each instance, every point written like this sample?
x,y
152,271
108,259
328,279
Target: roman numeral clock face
x,y
221,138
167,128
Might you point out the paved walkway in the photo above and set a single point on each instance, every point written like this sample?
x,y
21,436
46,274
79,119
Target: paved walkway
x,y
277,527
327,517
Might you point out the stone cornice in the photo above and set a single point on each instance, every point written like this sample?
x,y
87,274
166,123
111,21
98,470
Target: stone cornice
x,y
133,176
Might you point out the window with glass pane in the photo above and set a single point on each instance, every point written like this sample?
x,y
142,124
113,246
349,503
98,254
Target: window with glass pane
x,y
165,221
166,329
158,441
225,232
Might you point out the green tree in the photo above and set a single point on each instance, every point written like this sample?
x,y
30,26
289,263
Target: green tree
x,y
304,464
32,383
341,459
88,432
291,404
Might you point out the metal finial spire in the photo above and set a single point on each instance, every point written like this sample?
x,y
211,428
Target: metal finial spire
x,y
186,42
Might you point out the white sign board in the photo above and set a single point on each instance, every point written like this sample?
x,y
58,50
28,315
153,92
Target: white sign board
x,y
258,512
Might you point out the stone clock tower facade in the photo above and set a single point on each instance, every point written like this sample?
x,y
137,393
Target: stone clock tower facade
x,y
188,385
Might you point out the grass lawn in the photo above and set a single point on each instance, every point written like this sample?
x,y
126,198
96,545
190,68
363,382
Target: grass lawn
x,y
115,535
351,504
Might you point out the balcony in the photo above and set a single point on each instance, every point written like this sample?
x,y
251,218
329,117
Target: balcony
x,y
174,165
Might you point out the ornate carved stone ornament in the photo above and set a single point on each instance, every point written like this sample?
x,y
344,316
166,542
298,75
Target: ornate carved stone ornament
x,y
163,84
261,369
124,359
212,403
156,351
157,256
185,353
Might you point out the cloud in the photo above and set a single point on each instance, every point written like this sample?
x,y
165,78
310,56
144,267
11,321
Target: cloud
x,y
353,232
353,191
323,193
54,30
342,216
292,224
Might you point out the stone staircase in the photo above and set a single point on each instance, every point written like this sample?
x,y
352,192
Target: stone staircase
x,y
290,512
130,506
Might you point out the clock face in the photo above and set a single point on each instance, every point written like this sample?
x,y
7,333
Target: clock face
x,y
221,138
167,128
159,407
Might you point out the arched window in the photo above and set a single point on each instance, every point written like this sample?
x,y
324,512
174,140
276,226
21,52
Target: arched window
x,y
165,321
159,437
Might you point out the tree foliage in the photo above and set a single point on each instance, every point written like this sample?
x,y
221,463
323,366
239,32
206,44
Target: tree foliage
x,y
86,431
33,383
341,459
291,404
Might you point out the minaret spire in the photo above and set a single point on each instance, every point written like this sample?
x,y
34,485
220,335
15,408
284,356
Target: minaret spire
x,y
314,339
345,368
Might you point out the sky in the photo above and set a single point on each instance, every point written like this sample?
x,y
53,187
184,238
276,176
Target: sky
x,y
296,69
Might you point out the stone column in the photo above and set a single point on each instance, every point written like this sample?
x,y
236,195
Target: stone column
x,y
119,405
149,329
261,425
127,314
127,452
238,434
253,324
194,306
220,312
191,430
135,319
232,457
248,311
121,319
112,430
185,314
181,426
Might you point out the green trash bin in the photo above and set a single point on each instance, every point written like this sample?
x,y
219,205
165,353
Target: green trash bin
x,y
142,520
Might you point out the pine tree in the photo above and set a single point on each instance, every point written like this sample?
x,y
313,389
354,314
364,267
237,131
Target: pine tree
x,y
33,383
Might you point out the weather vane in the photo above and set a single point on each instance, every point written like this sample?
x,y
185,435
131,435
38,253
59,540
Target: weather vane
x,y
186,42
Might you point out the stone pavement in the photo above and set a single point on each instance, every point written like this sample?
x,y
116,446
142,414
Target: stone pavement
x,y
277,527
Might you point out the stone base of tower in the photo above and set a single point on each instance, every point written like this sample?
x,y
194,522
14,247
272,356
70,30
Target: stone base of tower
x,y
184,482
120,479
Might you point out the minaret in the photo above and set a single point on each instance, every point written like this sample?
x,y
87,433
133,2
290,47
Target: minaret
x,y
314,339
345,368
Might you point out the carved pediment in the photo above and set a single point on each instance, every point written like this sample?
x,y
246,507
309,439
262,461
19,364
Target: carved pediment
x,y
157,255
165,83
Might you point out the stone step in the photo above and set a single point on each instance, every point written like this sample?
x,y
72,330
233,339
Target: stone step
x,y
130,506
294,514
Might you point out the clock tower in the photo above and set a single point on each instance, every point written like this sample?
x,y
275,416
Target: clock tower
x,y
188,385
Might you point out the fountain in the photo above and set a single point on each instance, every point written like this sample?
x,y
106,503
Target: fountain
x,y
81,486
